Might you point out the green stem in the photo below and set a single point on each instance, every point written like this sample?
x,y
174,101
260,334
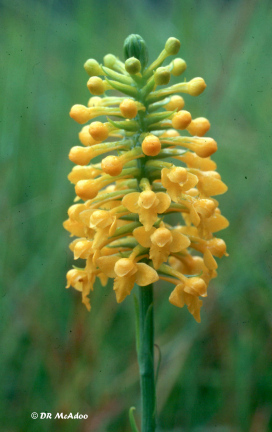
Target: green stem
x,y
146,358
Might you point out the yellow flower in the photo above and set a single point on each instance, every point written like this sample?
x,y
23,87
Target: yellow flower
x,y
176,181
179,297
147,205
81,281
126,273
161,242
155,161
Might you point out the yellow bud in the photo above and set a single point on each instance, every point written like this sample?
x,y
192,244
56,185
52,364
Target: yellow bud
x,y
206,148
80,113
196,86
80,155
92,68
98,131
109,60
85,137
172,46
170,133
179,66
94,101
162,76
86,189
96,86
112,165
133,65
176,102
181,120
151,145
125,267
128,108
199,126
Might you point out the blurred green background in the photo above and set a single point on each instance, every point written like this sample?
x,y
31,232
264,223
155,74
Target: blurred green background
x,y
56,357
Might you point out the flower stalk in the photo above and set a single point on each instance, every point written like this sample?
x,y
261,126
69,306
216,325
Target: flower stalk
x,y
146,358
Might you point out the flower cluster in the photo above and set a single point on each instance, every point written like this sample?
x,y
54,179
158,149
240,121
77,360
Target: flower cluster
x,y
158,163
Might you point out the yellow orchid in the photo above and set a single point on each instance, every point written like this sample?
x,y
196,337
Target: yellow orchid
x,y
126,272
177,180
81,281
147,205
179,297
161,242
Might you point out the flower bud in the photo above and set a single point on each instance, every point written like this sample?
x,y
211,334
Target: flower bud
x,y
179,66
196,86
133,65
151,145
170,133
86,189
92,68
80,113
96,86
112,165
109,60
206,147
172,46
80,155
94,101
98,131
176,102
162,76
85,137
128,108
199,126
135,46
181,120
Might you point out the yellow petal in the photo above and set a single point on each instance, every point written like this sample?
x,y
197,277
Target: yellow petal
x,y
194,305
216,223
113,226
194,216
130,201
147,218
123,286
180,241
106,265
191,181
142,236
158,255
145,274
85,217
209,260
164,202
177,296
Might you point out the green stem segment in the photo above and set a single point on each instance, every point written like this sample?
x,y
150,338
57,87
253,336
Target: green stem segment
x,y
146,358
